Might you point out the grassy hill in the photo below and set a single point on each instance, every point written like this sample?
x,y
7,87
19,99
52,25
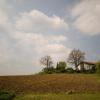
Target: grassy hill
x,y
51,83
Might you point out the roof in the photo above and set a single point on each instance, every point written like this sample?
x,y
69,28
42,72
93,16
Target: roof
x,y
86,62
89,63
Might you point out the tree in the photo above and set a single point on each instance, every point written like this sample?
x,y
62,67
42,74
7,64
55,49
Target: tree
x,y
46,61
75,57
98,67
57,66
61,66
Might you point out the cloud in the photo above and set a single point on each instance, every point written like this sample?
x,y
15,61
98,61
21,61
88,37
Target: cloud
x,y
4,5
5,23
87,17
24,40
28,48
38,22
5,16
41,44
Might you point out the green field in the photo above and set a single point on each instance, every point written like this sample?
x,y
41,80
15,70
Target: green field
x,y
59,97
53,86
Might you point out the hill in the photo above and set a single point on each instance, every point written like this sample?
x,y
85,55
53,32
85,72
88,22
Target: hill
x,y
51,83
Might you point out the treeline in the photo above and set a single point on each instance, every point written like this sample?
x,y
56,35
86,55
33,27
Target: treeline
x,y
98,68
75,57
61,67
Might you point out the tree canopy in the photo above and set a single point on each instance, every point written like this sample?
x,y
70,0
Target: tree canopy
x,y
75,57
46,61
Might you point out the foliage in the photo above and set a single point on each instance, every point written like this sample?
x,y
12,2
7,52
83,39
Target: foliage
x,y
92,70
75,57
46,61
5,95
98,68
69,70
49,70
61,67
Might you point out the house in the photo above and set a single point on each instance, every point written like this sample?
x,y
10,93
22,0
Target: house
x,y
86,66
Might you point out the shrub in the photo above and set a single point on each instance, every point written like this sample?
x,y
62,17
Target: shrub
x,y
61,67
49,70
92,70
69,70
5,95
98,68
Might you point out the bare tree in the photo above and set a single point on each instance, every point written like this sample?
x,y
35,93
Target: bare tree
x,y
75,57
46,61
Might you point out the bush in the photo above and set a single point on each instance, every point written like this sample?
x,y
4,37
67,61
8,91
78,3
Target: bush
x,y
60,71
92,70
98,68
69,70
49,70
60,68
5,95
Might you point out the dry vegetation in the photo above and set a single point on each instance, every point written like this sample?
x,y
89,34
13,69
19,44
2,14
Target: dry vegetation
x,y
51,83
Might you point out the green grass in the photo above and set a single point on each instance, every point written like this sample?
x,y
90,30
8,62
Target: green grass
x,y
59,97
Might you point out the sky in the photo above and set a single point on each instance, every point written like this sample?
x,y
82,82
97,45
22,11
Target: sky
x,y
31,29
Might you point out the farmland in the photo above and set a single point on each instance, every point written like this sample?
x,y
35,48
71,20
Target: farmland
x,y
51,83
53,86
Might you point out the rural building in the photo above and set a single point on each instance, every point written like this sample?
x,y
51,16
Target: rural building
x,y
86,66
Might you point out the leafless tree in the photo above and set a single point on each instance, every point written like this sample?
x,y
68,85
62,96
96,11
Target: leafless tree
x,y
46,61
75,57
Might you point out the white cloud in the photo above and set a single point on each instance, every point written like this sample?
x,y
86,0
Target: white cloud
x,y
24,42
42,44
4,5
5,23
38,22
59,52
5,16
87,14
28,49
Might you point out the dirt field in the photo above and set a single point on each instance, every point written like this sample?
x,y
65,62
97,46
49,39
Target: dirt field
x,y
51,83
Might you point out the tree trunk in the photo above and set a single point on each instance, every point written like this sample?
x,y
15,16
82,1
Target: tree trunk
x,y
76,66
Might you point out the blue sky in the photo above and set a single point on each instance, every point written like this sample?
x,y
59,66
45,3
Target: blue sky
x,y
30,29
